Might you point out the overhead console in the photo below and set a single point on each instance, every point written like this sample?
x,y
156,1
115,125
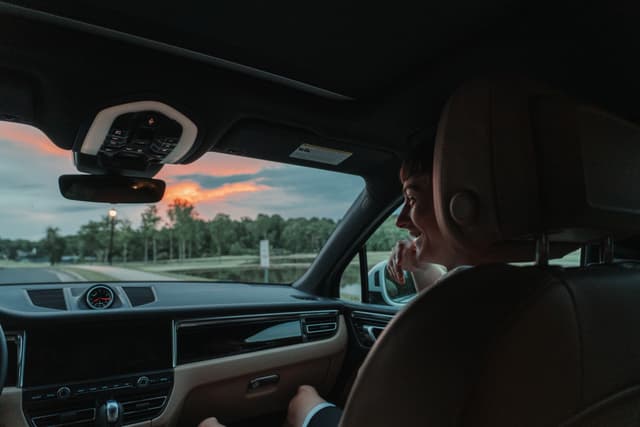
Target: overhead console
x,y
135,139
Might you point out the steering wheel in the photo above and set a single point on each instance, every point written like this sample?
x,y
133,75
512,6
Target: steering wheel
x,y
4,356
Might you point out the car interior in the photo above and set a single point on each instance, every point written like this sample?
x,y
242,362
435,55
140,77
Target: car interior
x,y
530,109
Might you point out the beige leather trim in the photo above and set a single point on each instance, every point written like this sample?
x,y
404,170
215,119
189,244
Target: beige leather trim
x,y
11,408
225,379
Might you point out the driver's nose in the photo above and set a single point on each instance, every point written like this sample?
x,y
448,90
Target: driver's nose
x,y
403,220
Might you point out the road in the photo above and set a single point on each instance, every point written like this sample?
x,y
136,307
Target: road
x,y
33,275
119,273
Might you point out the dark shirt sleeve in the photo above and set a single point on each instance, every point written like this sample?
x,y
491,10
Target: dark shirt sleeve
x,y
326,417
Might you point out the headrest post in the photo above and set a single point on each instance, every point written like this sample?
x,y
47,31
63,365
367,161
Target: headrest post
x,y
606,250
542,250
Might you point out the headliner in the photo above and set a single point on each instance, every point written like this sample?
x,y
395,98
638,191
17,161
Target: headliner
x,y
393,64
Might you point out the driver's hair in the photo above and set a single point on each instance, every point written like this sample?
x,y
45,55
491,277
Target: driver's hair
x,y
418,161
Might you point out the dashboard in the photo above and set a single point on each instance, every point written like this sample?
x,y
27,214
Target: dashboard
x,y
152,350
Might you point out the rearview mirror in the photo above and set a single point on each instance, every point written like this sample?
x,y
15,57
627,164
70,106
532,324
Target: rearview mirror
x,y
111,188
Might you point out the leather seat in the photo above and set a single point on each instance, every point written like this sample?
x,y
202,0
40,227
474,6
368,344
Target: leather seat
x,y
503,345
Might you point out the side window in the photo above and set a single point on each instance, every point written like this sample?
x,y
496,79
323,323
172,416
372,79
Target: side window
x,y
351,282
572,259
376,287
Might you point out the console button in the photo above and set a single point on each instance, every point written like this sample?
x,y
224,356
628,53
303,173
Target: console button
x,y
142,381
150,120
36,397
119,132
116,140
50,396
63,392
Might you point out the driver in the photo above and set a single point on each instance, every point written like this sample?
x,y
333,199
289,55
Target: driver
x,y
427,257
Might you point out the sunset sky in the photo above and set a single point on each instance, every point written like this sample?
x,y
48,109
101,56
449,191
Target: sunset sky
x,y
30,165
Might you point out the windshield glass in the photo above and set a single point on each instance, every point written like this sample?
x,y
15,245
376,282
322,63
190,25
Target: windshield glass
x,y
223,218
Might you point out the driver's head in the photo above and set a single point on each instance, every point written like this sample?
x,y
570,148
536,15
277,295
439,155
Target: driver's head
x,y
418,215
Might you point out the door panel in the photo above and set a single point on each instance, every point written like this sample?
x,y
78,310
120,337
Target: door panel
x,y
360,319
222,388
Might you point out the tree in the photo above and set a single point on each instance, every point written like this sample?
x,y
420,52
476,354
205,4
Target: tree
x,y
124,236
386,235
94,237
54,245
223,234
150,220
302,235
182,215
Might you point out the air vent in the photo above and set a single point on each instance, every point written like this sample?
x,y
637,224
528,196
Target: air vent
x,y
142,409
77,417
49,298
140,295
316,327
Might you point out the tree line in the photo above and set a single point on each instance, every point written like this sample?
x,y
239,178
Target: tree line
x,y
184,235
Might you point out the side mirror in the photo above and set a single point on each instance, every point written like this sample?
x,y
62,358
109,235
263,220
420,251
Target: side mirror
x,y
111,188
384,290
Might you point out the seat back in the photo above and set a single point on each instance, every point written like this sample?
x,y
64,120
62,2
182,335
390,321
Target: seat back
x,y
500,345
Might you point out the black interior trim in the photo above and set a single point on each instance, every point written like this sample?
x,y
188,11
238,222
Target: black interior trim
x,y
50,18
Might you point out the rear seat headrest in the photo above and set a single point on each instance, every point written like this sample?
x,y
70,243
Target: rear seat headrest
x,y
514,159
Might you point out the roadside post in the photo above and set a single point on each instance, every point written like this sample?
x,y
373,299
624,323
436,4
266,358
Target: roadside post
x,y
264,258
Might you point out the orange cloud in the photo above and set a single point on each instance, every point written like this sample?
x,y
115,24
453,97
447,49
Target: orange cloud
x,y
216,164
27,136
194,193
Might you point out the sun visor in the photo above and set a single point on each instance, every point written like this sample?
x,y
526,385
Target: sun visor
x,y
18,98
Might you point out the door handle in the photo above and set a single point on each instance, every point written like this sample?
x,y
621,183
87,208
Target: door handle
x,y
373,331
263,381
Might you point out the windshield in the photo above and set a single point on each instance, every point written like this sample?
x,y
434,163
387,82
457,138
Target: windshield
x,y
223,218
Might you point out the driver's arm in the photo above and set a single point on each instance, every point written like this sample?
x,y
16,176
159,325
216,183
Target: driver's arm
x,y
428,276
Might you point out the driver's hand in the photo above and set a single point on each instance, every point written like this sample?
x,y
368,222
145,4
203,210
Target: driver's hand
x,y
403,258
304,401
210,422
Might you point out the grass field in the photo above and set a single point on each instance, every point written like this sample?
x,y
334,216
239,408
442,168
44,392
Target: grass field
x,y
244,268
15,264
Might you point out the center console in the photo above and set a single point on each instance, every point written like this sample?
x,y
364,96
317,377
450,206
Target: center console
x,y
74,375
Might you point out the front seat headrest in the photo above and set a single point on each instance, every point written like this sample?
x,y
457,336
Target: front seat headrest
x,y
514,160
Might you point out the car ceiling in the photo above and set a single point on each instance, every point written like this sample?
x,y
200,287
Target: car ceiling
x,y
370,76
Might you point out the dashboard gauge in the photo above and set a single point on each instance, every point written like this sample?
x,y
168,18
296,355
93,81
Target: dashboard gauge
x,y
100,297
